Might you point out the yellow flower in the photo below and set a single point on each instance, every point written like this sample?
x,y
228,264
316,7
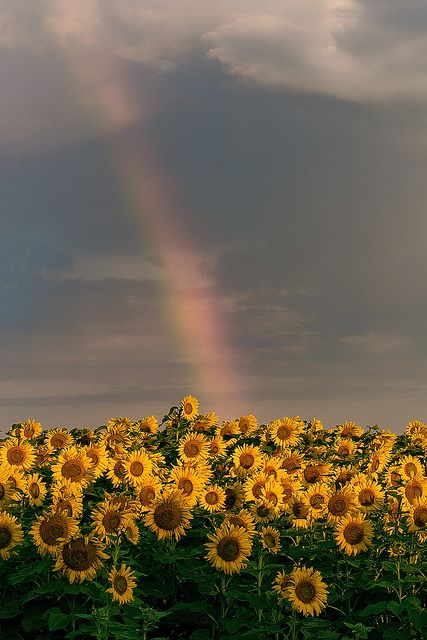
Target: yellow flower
x,y
270,539
109,521
11,535
169,515
217,447
285,432
31,429
136,465
234,496
344,448
229,549
316,498
307,592
187,480
117,471
247,424
340,504
80,558
247,459
58,439
290,486
148,425
272,494
212,498
410,466
193,446
414,488
6,489
242,519
36,490
190,407
353,534
122,584
298,511
280,583
369,495
263,511
228,428
99,458
51,530
253,486
148,490
291,461
17,456
417,517
314,472
350,429
74,465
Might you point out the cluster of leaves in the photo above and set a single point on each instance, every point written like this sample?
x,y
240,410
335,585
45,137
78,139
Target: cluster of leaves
x,y
375,593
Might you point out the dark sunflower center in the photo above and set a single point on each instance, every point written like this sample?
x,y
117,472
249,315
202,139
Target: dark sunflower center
x,y
5,537
256,489
338,505
214,448
15,455
212,497
290,464
94,457
231,498
287,493
120,584
272,497
65,505
136,468
366,497
344,450
311,474
410,469
246,460
228,549
188,408
238,522
111,521
354,533
191,449
29,431
58,441
186,485
51,529
79,556
73,469
146,496
375,464
412,491
305,591
299,510
317,500
395,478
269,540
167,516
262,511
283,433
420,516
34,490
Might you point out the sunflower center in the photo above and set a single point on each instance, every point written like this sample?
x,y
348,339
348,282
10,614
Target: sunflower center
x,y
262,511
354,533
146,496
317,500
256,489
65,505
212,497
191,449
34,490
305,591
15,455
284,433
231,498
299,510
395,478
375,464
420,516
167,516
413,490
312,474
136,468
214,449
344,450
188,408
272,497
186,485
246,460
51,529
79,556
94,457
58,440
338,505
73,469
29,431
120,584
228,549
410,469
5,537
119,470
111,521
287,493
366,497
269,540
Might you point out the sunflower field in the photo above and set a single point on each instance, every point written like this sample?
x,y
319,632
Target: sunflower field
x,y
208,530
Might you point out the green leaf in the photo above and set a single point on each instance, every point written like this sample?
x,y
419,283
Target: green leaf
x,y
8,608
57,619
395,607
373,609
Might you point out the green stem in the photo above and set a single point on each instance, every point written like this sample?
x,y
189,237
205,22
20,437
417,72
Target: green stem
x,y
260,576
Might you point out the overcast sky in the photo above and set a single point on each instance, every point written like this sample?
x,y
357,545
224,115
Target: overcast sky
x,y
225,199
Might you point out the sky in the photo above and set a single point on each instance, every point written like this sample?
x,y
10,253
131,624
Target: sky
x,y
224,199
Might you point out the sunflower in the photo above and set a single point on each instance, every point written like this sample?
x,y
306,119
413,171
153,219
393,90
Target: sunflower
x,y
417,517
314,472
340,504
74,465
6,489
131,532
17,456
228,428
117,472
18,481
136,465
243,519
272,468
350,430
291,461
99,458
36,490
212,498
122,583
419,437
109,521
169,515
285,432
188,481
290,486
270,539
369,495
117,439
393,476
229,549
414,488
42,457
190,407
253,486
298,511
378,461
217,447
272,493
234,496
247,459
148,425
316,498
11,535
315,426
279,585
414,425
123,424
344,448
58,438
343,475
148,490
353,534
193,446
80,558
410,466
51,530
31,429
263,511
247,424
306,592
